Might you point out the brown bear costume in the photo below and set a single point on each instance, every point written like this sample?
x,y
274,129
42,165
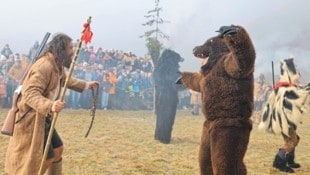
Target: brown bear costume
x,y
226,85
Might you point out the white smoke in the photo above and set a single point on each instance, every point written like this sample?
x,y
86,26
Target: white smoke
x,y
279,29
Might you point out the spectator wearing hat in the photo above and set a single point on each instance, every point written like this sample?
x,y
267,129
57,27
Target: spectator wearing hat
x,y
6,51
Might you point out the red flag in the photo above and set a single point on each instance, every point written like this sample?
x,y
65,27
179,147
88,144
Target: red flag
x,y
87,33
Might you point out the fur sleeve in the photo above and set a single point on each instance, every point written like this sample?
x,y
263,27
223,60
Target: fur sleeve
x,y
240,61
35,85
191,80
76,84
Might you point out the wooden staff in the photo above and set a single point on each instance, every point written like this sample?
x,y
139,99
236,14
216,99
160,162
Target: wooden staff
x,y
48,142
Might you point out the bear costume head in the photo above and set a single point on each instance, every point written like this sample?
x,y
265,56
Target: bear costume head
x,y
211,50
218,46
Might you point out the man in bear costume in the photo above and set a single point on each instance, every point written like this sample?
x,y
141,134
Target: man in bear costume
x,y
166,96
226,84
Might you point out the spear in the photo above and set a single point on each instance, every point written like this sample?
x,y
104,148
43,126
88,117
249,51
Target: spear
x,y
86,37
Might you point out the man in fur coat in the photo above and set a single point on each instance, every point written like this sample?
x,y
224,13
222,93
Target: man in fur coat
x,y
38,100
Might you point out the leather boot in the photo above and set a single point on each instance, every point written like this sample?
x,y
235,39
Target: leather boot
x,y
55,168
290,160
280,162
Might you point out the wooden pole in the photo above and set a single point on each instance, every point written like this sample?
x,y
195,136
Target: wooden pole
x,y
63,93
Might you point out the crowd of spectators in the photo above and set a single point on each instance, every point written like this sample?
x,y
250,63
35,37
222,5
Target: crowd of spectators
x,y
125,79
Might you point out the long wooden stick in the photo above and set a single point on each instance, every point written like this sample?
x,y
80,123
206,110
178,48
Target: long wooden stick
x,y
48,142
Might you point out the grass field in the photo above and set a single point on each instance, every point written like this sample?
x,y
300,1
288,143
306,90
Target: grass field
x,y
121,143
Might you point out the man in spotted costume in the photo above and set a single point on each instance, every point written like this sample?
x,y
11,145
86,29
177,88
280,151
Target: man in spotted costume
x,y
287,104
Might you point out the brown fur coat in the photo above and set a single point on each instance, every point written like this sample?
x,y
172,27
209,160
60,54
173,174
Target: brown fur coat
x,y
226,84
25,149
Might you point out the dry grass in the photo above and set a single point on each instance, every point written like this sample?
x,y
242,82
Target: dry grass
x,y
121,143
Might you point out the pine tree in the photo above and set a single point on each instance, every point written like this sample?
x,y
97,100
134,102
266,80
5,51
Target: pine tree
x,y
163,126
152,36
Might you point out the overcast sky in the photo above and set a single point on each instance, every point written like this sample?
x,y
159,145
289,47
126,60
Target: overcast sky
x,y
279,28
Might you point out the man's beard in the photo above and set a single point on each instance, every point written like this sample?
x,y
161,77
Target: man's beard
x,y
67,62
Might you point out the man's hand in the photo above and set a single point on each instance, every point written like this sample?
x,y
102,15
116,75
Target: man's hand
x,y
92,84
57,106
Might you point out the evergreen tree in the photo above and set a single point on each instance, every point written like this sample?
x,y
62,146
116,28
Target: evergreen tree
x,y
152,36
164,118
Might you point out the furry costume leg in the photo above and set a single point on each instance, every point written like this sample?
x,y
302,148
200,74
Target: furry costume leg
x,y
205,152
227,157
229,139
